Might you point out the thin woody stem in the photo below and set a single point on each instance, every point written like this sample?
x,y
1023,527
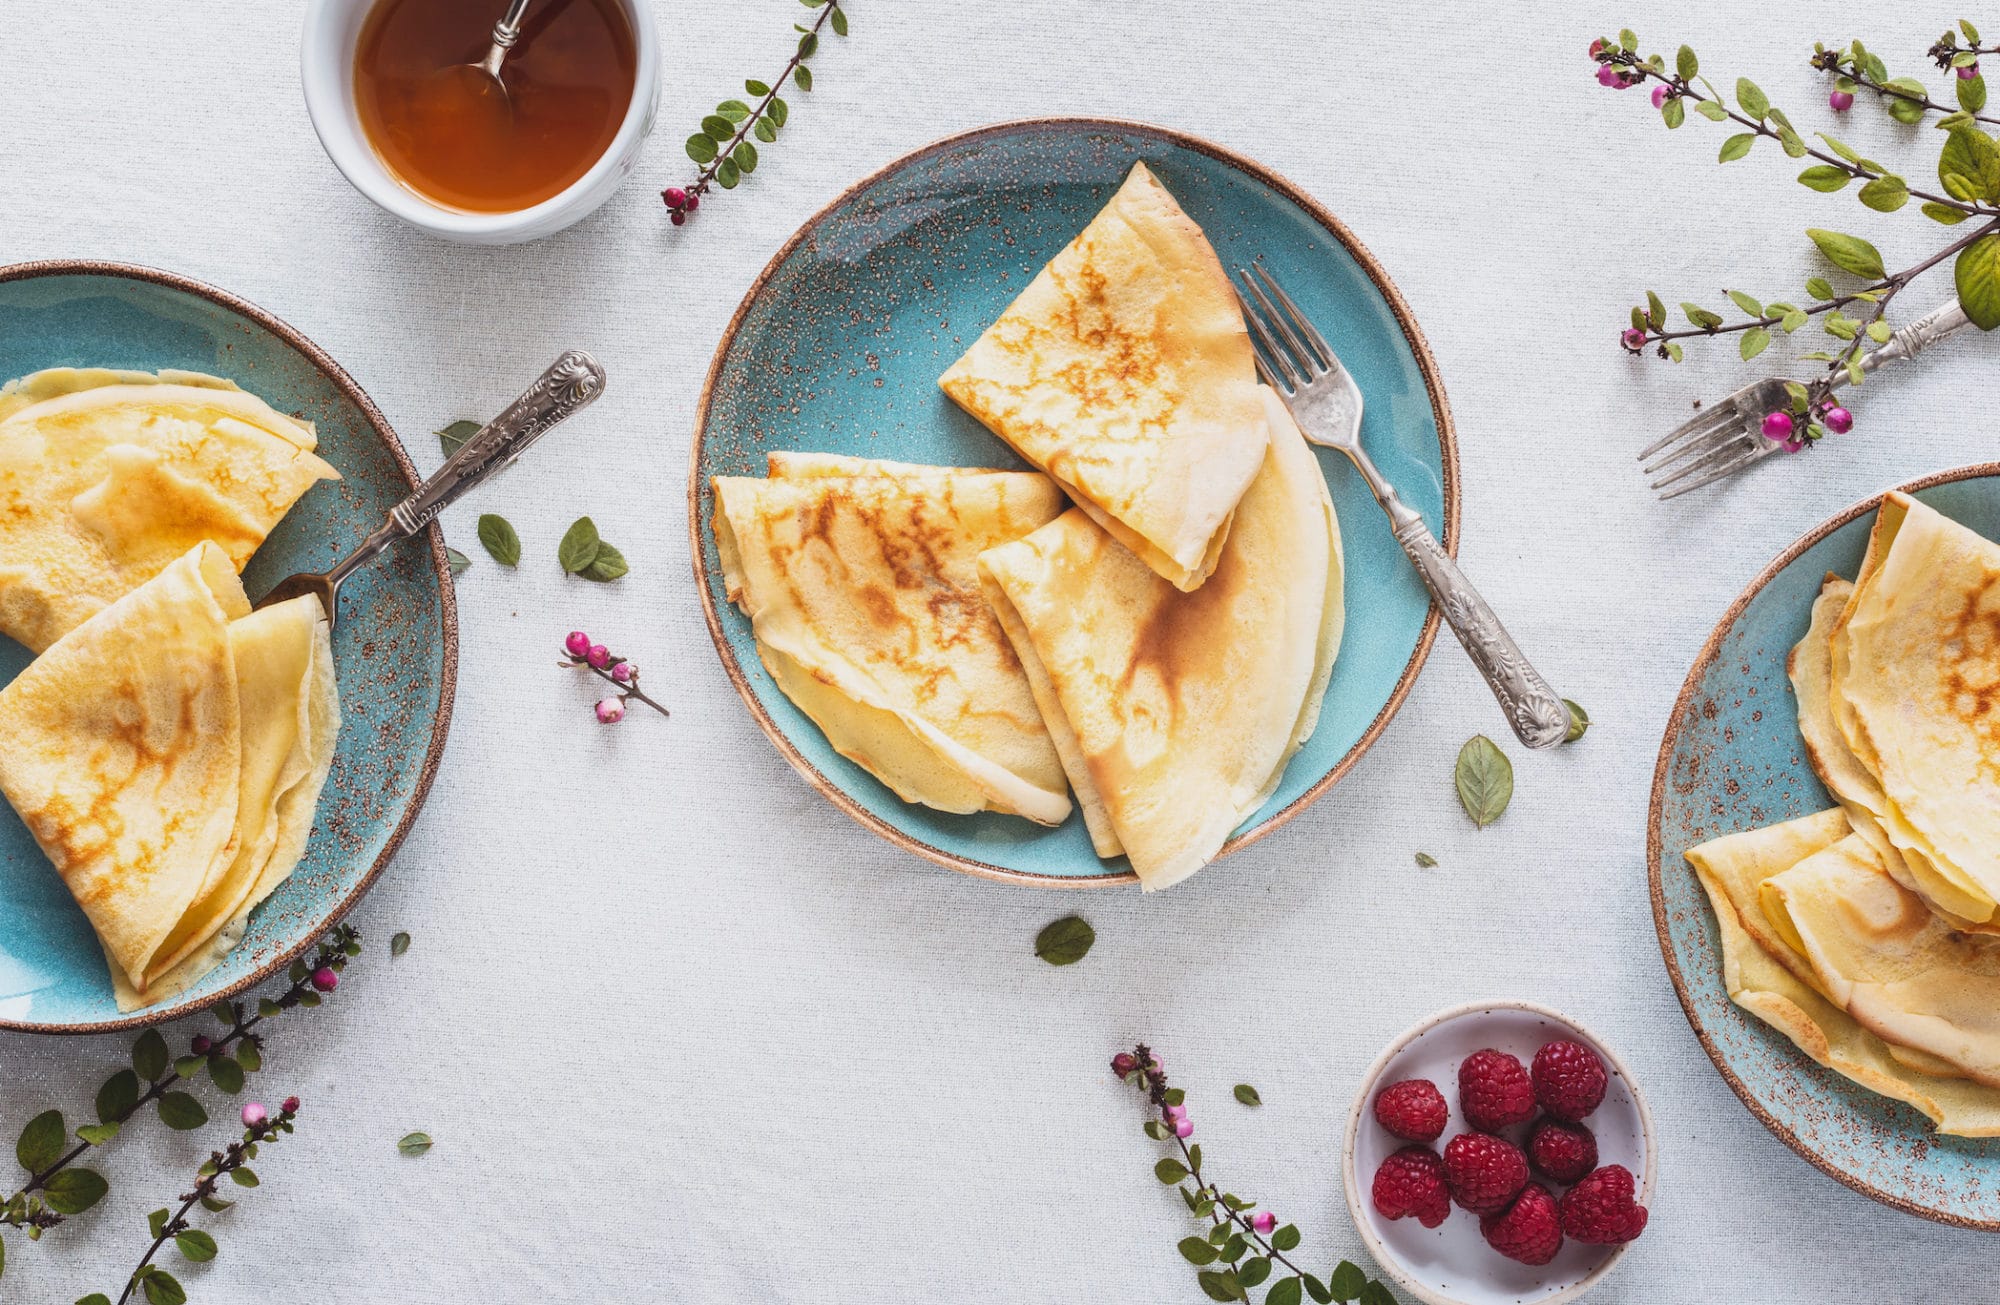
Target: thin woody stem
x,y
707,175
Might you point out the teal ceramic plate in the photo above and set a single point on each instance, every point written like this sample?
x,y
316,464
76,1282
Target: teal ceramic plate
x,y
396,649
839,344
1733,760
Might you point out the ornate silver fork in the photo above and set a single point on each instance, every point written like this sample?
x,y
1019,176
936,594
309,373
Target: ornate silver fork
x,y
1296,361
1728,437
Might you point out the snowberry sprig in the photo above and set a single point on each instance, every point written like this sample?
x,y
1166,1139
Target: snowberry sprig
x,y
260,1128
722,147
56,1186
579,651
1968,171
1243,1241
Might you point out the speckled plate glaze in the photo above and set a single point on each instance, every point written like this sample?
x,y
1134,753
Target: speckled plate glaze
x,y
396,650
1733,760
839,344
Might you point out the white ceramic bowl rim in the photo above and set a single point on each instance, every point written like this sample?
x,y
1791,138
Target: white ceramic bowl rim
x,y
1365,1095
327,70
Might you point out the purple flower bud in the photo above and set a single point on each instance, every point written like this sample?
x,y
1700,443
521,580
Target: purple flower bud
x,y
1838,419
1659,96
290,1106
1968,72
1183,1127
254,1114
1123,1063
598,655
578,643
1264,1221
1777,425
610,711
1632,338
1607,75
325,979
200,1045
623,672
1841,101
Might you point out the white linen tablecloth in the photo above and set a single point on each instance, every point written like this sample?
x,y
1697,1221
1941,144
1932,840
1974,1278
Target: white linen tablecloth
x,y
682,1030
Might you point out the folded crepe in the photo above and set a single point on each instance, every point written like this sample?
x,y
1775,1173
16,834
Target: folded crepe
x,y
106,477
861,582
168,755
1914,681
1778,984
1174,713
1124,370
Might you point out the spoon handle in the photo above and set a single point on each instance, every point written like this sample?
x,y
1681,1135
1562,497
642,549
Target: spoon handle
x,y
508,29
571,384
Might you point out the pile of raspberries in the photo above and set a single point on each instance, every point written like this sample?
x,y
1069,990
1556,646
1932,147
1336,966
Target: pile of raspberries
x,y
1489,1175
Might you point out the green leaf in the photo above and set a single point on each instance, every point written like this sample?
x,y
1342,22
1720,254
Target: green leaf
x,y
156,1222
1285,1291
243,1176
227,1073
777,111
1885,194
1169,1170
95,1298
1579,722
1686,64
1902,110
1317,1289
1789,140
97,1134
1848,253
1971,32
74,1190
216,1205
1745,302
1971,93
1286,1238
1065,941
1712,111
1656,312
42,1141
734,110
414,1143
181,1112
1754,101
498,536
190,1065
1248,1095
249,1055
1736,147
1156,1130
1347,1281
803,77
1196,1251
1175,1096
1944,213
1673,112
1426,860
764,131
1840,148
1972,154
1977,274
196,1245
756,88
1485,780
1628,39
717,128
727,174
1879,331
1794,320
1819,288
1701,317
1376,1294
1824,177
808,46
745,157
1215,1285
149,1055
457,561
839,21
701,149
1754,342
399,944
118,1095
1253,1270
579,546
162,1288
453,437
1673,348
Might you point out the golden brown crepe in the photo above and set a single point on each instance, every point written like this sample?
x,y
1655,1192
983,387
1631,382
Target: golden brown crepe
x,y
1175,713
106,477
167,755
861,583
1125,371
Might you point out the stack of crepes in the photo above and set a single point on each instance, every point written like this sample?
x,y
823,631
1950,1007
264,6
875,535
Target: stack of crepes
x,y
1161,647
1869,933
168,747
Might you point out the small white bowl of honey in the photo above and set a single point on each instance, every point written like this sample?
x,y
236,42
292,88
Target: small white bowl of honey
x,y
580,84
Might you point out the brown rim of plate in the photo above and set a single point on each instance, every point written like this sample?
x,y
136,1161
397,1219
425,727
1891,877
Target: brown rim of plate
x,y
440,565
1702,661
1412,335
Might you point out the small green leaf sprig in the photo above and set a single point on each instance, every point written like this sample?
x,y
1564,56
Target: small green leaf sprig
x,y
722,148
1968,171
1243,1246
57,1186
580,653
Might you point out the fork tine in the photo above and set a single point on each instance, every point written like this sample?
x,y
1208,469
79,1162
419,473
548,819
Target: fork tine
x,y
1749,459
1702,422
1722,451
1261,336
1722,435
1265,372
1308,365
1297,318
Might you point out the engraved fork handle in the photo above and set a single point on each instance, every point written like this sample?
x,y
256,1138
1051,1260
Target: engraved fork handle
x,y
1914,338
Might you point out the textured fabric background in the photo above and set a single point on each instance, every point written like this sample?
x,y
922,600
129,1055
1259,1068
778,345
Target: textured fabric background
x,y
683,1031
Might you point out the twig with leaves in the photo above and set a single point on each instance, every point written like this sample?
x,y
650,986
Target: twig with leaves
x,y
1242,1240
1968,171
722,148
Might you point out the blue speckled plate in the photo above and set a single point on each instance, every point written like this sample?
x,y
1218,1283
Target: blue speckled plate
x,y
839,344
1733,760
396,649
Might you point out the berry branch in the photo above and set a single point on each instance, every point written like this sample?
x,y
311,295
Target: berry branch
x,y
722,147
1236,1227
580,653
1859,69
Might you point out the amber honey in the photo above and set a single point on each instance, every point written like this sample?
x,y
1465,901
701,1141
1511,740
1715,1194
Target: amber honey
x,y
444,133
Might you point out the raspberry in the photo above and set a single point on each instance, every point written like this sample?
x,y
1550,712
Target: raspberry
x,y
1600,1208
1493,1091
1412,1109
1563,1152
1529,1231
1411,1182
1569,1080
1484,1172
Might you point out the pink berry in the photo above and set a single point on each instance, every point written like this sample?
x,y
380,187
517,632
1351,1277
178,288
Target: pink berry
x,y
1659,96
694,201
1123,1063
1264,1221
1777,425
1632,338
1794,444
610,711
1841,101
325,979
290,1106
1183,1127
578,643
1176,1112
254,1114
623,672
200,1045
1968,72
598,655
678,217
675,197
1607,75
1597,47
1838,419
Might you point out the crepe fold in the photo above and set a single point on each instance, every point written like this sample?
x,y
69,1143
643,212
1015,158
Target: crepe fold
x,y
168,755
1174,713
1125,371
861,582
106,477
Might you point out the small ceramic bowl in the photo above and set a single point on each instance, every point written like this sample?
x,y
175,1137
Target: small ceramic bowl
x,y
1452,1264
327,72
